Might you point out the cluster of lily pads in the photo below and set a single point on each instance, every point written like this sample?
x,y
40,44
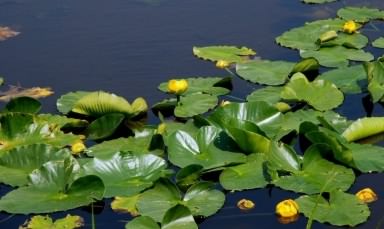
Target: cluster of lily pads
x,y
287,134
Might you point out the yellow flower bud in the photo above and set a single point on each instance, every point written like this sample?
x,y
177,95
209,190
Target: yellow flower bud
x,y
161,128
177,86
77,147
350,27
222,64
287,208
366,195
245,204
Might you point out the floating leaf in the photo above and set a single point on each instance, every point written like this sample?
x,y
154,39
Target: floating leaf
x,y
267,94
104,126
209,85
34,92
61,121
142,222
207,149
178,217
245,176
305,37
342,209
53,188
354,40
66,102
264,71
346,78
23,105
337,56
126,204
46,222
126,174
363,128
18,163
317,175
230,54
305,65
378,43
320,94
195,104
282,157
360,14
375,72
188,176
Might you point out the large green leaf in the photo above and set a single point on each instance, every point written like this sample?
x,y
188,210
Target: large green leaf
x,y
66,102
126,174
264,115
317,175
208,85
342,209
360,14
320,94
245,176
195,104
337,56
201,199
18,163
375,72
346,78
53,188
178,217
363,128
23,105
282,157
378,43
18,129
230,54
59,121
305,37
267,94
208,149
104,126
264,71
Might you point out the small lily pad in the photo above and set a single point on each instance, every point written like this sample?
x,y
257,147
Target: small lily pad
x,y
46,222
360,14
230,54
378,43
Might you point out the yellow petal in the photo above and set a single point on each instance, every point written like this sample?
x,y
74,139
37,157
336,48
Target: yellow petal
x,y
287,208
366,195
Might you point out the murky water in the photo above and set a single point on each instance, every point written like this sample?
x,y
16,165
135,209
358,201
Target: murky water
x,y
130,46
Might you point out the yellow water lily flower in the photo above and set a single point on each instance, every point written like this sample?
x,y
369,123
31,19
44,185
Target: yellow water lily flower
x,y
350,27
222,64
366,195
78,147
245,204
177,86
287,208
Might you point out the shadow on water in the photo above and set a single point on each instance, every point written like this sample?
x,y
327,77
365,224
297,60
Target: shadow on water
x,y
130,46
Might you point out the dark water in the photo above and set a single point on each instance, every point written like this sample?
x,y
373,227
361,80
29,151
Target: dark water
x,y
130,46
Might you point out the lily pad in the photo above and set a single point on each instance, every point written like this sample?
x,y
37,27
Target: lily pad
x,y
342,209
346,78
360,14
66,102
337,56
230,54
355,41
104,126
53,188
126,204
126,174
378,43
18,163
363,128
264,71
375,72
23,105
195,104
245,176
320,94
179,217
267,94
142,222
207,149
317,175
39,221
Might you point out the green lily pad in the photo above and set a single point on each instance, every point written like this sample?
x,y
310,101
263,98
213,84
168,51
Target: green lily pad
x,y
342,209
346,78
305,37
66,102
208,149
320,94
354,40
375,72
59,122
18,163
23,105
245,176
209,85
188,176
317,175
360,14
378,43
18,129
363,128
306,65
201,199
264,71
126,204
142,222
179,217
53,188
337,56
39,221
267,94
126,174
195,104
282,157
230,54
104,126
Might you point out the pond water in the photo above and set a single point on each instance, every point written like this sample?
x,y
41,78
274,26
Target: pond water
x,y
130,46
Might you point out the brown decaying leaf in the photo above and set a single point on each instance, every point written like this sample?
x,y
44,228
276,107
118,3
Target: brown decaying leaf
x,y
6,33
34,92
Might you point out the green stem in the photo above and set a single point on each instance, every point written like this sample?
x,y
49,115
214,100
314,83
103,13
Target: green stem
x,y
93,218
230,72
